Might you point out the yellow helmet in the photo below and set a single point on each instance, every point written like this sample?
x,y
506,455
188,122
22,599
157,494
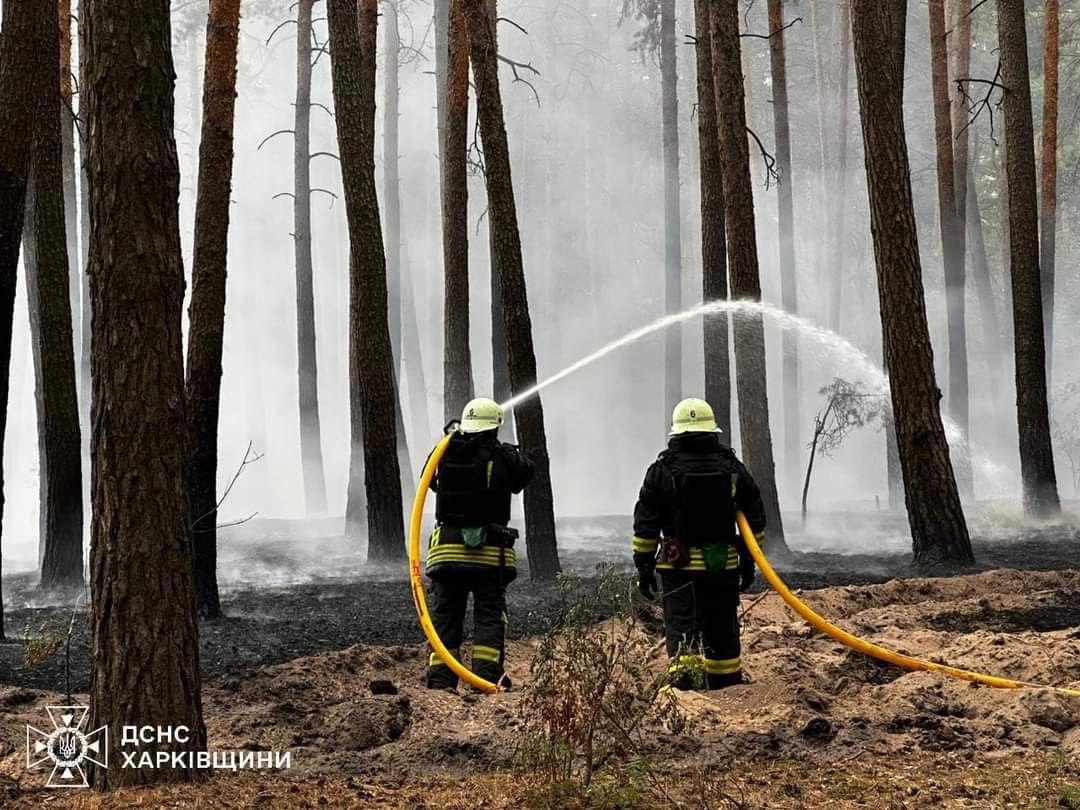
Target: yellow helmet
x,y
481,414
693,416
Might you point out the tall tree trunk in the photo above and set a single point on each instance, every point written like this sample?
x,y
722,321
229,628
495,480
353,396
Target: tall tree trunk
x,y
828,279
980,266
372,395
786,218
508,265
743,263
837,206
206,315
457,357
1036,451
713,238
669,82
23,38
145,664
392,203
1048,209
938,530
67,134
960,20
307,359
49,298
84,237
952,242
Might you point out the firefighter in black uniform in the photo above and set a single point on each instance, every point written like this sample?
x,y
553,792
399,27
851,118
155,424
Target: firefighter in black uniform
x,y
472,547
684,526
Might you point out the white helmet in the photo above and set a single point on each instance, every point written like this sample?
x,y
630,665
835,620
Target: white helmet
x,y
481,414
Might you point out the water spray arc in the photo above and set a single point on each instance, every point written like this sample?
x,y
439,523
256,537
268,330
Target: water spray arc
x,y
774,580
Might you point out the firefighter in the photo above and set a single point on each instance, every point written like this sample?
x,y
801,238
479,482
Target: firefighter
x,y
684,527
471,550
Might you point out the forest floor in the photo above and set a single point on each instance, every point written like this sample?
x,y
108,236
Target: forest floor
x,y
298,667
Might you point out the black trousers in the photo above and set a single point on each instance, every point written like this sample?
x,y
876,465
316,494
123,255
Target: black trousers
x,y
450,599
701,626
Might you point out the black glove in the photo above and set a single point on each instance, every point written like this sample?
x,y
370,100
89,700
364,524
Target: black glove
x,y
746,578
647,584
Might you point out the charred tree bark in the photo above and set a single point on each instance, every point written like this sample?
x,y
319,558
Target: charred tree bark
x,y
713,238
938,529
145,664
206,313
1048,209
457,357
952,242
786,217
1036,451
506,251
48,279
306,355
743,263
23,38
372,395
669,82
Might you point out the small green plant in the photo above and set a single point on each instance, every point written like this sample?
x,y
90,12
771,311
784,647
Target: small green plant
x,y
592,697
39,647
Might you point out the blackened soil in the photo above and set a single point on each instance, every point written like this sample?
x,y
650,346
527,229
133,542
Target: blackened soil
x,y
271,625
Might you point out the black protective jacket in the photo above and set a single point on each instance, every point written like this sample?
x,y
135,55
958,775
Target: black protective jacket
x,y
691,492
474,484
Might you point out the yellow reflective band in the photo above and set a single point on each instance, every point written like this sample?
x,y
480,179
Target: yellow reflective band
x,y
723,666
482,653
435,661
643,545
476,556
697,560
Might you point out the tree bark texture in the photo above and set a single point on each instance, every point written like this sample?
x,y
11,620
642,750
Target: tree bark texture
x,y
1036,452
457,357
372,395
786,219
67,134
1048,208
743,263
938,529
952,242
669,89
48,296
508,265
145,662
206,313
713,238
306,355
84,234
23,38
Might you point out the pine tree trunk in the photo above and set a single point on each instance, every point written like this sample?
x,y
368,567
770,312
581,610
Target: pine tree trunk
x,y
508,265
84,238
828,279
960,21
67,134
457,357
837,206
938,530
743,263
669,81
48,294
206,316
308,370
145,628
786,219
372,395
713,238
1036,452
952,243
23,38
1048,209
980,265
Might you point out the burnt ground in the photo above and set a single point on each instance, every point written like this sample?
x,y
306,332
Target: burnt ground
x,y
291,591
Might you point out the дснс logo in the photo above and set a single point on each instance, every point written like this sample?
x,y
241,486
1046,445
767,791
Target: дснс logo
x,y
67,747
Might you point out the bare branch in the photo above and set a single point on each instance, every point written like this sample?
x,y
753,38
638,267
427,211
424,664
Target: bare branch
x,y
779,30
283,194
272,135
278,28
771,174
314,155
508,21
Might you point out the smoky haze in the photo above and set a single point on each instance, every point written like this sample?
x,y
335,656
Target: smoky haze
x,y
586,151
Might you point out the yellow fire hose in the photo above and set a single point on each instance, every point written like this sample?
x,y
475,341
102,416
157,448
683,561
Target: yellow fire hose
x,y
815,620
866,647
